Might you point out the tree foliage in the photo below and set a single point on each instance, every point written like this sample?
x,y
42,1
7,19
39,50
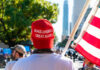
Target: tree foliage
x,y
16,17
56,38
63,43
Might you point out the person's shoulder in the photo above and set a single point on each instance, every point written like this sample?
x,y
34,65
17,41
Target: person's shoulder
x,y
63,59
22,60
20,63
9,65
64,62
11,62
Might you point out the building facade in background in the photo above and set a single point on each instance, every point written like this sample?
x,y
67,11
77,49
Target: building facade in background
x,y
65,19
71,12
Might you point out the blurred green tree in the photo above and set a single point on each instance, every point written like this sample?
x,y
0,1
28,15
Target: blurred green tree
x,y
16,17
62,44
56,38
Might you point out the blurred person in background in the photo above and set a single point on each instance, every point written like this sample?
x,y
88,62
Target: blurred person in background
x,y
87,65
43,58
2,59
18,52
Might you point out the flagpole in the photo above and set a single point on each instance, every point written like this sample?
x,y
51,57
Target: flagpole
x,y
76,26
88,20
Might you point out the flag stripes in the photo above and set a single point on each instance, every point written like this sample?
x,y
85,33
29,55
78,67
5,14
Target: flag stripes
x,y
92,40
87,55
93,31
89,48
89,45
96,22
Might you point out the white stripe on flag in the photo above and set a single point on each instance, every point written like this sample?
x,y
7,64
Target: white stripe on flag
x,y
89,48
94,31
98,13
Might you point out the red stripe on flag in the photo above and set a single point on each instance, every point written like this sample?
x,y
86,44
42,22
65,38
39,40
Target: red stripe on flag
x,y
87,55
96,22
92,40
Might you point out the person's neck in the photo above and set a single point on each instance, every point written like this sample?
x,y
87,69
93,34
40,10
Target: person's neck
x,y
42,51
18,58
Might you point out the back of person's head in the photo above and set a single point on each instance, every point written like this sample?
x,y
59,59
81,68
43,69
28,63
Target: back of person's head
x,y
42,34
20,49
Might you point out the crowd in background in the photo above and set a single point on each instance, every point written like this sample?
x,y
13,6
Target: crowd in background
x,y
6,55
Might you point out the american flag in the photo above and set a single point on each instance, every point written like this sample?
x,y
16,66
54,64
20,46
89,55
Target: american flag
x,y
89,45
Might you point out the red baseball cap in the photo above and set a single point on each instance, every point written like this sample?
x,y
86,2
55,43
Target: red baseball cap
x,y
42,34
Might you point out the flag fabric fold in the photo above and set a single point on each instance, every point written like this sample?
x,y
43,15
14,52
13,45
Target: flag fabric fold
x,y
89,45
